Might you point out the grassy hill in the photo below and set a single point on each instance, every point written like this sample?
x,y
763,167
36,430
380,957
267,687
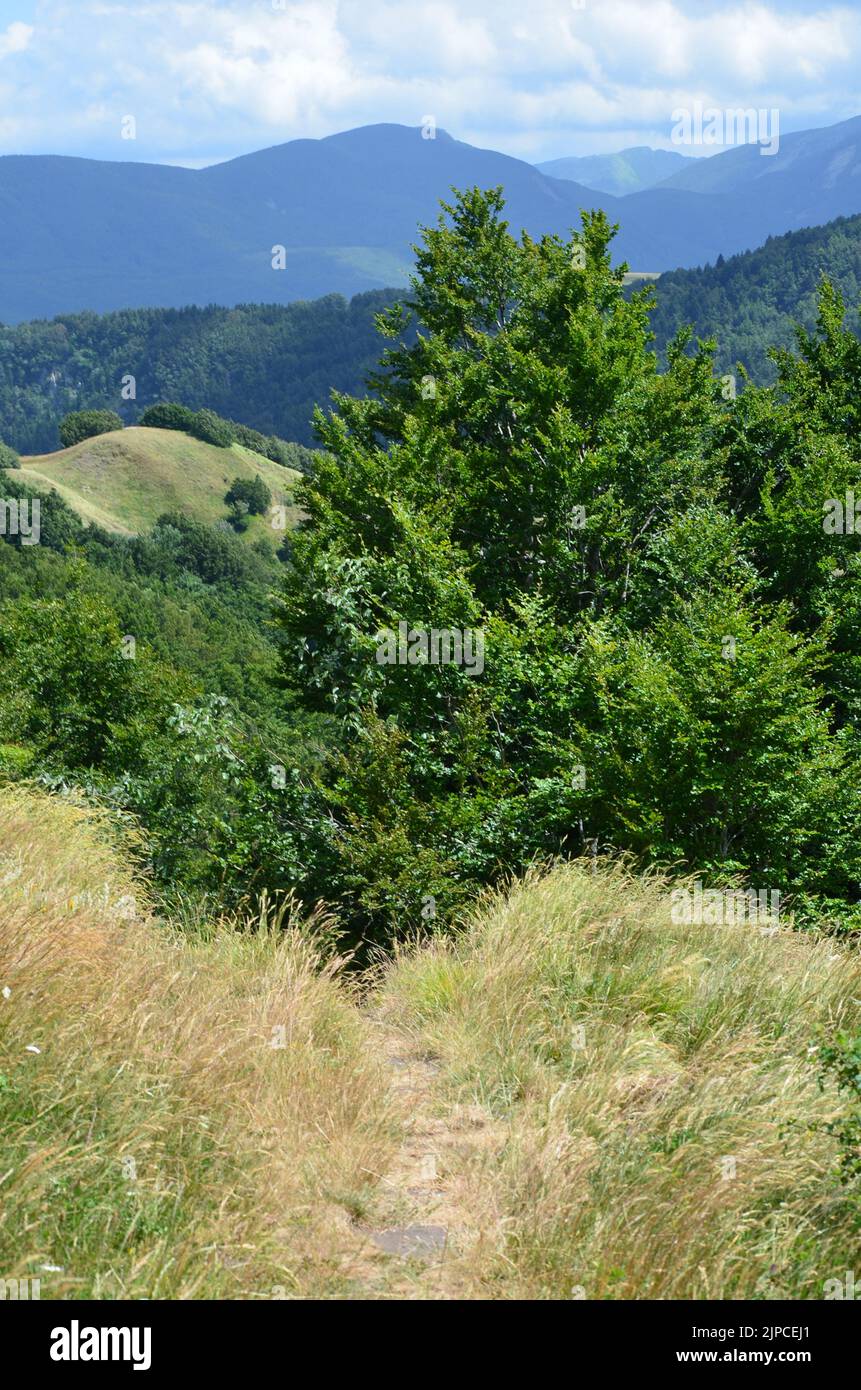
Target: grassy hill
x,y
125,480
587,1099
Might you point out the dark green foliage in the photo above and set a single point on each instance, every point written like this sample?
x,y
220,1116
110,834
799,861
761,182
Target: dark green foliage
x,y
59,527
168,415
85,424
252,491
666,671
8,457
181,731
840,1062
751,302
266,365
669,654
202,424
212,429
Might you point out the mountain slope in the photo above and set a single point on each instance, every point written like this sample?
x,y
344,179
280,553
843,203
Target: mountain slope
x,y
815,159
265,365
751,302
124,481
82,234
629,171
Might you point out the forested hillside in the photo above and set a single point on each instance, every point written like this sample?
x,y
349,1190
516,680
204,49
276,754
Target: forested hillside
x,y
560,665
751,302
653,637
265,365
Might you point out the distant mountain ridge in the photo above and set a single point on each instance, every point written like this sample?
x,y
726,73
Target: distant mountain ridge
x,y
629,171
78,234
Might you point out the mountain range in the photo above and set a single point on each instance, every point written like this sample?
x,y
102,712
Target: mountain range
x,y
80,234
628,171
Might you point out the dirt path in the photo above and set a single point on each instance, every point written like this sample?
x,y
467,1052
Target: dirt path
x,y
431,1214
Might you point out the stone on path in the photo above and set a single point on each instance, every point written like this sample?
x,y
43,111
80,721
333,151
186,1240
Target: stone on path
x,y
411,1242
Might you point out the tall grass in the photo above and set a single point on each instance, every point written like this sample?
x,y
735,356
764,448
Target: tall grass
x,y
180,1117
208,1113
653,1089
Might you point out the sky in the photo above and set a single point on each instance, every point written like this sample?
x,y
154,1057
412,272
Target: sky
x,y
204,80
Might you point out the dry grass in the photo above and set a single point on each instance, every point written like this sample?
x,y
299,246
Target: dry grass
x,y
158,1145
603,1074
613,1176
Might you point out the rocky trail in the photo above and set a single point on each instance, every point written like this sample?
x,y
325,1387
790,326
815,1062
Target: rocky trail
x,y
430,1216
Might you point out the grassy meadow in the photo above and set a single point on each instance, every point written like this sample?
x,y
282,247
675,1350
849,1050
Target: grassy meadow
x,y
125,480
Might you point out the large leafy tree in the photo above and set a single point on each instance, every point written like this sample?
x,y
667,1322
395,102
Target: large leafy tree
x,y
524,468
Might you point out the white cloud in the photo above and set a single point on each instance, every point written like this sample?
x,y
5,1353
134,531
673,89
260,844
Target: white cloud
x,y
16,38
537,79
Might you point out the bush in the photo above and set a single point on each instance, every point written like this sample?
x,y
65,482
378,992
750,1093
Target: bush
x,y
8,457
168,416
840,1064
252,491
85,424
212,429
179,542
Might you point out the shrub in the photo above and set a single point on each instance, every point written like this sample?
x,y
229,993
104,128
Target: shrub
x,y
239,515
168,415
212,429
201,424
8,457
252,491
85,424
840,1064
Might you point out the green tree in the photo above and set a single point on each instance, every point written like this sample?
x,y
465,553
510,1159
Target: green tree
x,y
252,491
84,424
168,415
524,470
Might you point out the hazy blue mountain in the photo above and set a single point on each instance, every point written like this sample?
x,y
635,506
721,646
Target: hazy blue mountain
x,y
824,162
79,234
629,171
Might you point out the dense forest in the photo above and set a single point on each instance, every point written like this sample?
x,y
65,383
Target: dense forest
x,y
663,605
265,366
751,302
268,366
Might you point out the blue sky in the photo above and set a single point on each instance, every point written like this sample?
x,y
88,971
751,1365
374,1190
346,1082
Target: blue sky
x,y
208,79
